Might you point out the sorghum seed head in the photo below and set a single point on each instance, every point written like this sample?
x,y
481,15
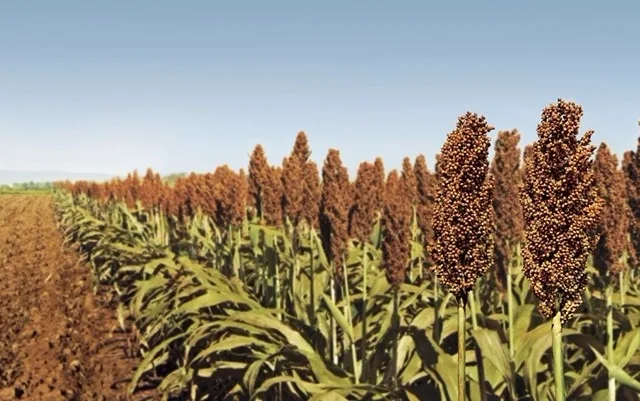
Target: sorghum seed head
x,y
507,210
408,181
427,188
613,223
272,197
367,201
311,193
396,222
561,208
334,208
293,188
462,221
631,177
259,178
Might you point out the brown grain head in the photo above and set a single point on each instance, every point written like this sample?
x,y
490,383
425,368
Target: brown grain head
x,y
334,208
613,224
509,224
367,201
293,188
408,181
561,207
630,173
301,150
311,194
427,188
273,194
259,177
396,223
462,221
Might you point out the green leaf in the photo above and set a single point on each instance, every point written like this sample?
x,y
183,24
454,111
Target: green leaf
x,y
616,372
335,312
626,347
494,351
147,364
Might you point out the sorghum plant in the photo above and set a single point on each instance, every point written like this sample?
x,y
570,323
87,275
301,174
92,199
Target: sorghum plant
x,y
367,202
427,188
462,221
508,216
561,208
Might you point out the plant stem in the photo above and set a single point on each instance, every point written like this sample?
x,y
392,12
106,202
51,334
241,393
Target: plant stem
x,y
510,310
363,340
334,333
276,277
558,358
623,290
612,381
312,289
292,287
474,312
436,324
396,330
461,348
478,352
312,279
347,315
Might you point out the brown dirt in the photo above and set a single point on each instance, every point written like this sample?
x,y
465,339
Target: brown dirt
x,y
58,341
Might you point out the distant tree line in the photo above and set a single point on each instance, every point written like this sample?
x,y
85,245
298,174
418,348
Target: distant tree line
x,y
26,186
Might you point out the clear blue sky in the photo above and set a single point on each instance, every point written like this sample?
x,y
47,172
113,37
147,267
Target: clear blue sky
x,y
187,85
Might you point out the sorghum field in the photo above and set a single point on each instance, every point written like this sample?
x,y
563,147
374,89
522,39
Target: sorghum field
x,y
514,278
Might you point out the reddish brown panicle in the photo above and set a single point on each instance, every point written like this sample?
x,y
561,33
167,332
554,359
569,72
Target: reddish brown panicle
x,y
462,221
396,222
561,209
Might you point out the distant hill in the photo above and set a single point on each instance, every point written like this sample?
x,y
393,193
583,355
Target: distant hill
x,y
8,177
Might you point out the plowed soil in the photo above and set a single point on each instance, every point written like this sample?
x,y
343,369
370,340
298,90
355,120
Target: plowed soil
x,y
58,341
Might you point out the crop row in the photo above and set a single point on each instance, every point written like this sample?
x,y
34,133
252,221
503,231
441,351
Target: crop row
x,y
277,284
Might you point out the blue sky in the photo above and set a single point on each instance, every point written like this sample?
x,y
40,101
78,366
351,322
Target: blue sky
x,y
112,86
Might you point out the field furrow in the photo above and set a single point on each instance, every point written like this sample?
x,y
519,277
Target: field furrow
x,y
58,340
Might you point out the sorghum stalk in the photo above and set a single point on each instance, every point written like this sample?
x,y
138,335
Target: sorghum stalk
x,y
478,352
334,210
312,276
396,329
510,303
505,167
363,312
436,305
347,315
462,222
276,276
461,349
332,323
558,357
472,306
610,354
623,290
610,249
395,248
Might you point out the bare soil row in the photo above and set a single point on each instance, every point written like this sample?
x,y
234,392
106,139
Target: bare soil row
x,y
58,341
